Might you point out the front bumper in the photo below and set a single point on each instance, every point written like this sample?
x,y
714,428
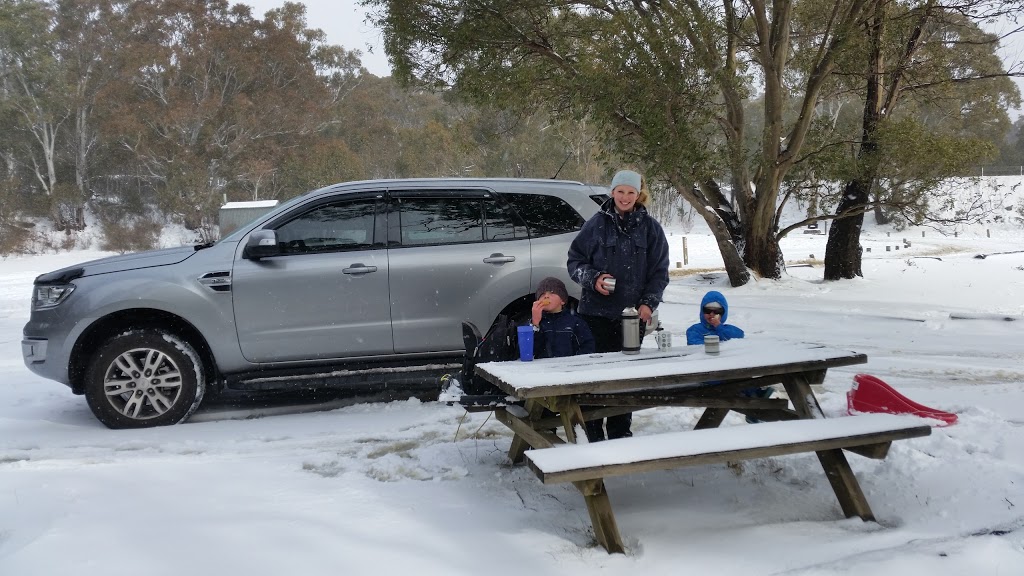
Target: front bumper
x,y
34,351
40,358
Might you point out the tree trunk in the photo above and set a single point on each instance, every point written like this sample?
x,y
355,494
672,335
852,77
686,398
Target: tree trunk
x,y
880,216
763,255
722,221
843,250
761,251
82,152
734,265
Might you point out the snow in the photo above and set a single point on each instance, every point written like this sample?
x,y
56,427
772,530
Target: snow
x,y
689,363
693,442
250,204
422,487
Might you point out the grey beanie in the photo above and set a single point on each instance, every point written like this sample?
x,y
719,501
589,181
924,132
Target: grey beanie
x,y
554,285
627,177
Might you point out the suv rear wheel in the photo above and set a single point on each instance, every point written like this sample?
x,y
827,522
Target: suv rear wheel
x,y
143,378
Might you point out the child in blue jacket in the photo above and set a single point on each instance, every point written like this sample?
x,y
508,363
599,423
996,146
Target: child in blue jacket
x,y
557,332
714,310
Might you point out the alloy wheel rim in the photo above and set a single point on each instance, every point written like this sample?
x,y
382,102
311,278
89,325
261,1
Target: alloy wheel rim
x,y
142,383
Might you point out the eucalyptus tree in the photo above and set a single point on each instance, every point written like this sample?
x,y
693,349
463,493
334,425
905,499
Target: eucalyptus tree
x,y
663,82
33,88
57,59
218,99
89,38
935,95
1011,149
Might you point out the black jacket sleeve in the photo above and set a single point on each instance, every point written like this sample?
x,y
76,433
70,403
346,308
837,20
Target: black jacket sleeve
x,y
657,265
581,254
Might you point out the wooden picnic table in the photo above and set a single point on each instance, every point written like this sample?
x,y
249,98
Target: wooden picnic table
x,y
566,392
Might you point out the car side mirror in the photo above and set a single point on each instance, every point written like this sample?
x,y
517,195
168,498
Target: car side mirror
x,y
261,244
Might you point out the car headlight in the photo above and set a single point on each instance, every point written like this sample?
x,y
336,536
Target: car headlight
x,y
50,295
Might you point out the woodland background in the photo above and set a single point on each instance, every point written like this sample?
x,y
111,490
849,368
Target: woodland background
x,y
143,114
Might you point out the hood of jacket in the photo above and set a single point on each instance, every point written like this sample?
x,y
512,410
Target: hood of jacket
x,y
713,296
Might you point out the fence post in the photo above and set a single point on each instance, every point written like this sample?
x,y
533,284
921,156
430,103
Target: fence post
x,y
686,253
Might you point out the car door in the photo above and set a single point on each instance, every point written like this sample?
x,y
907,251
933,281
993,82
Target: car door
x,y
326,296
455,255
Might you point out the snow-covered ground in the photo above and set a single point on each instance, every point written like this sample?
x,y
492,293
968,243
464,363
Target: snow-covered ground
x,y
420,487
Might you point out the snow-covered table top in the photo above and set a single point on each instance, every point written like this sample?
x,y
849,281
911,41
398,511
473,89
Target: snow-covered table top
x,y
613,372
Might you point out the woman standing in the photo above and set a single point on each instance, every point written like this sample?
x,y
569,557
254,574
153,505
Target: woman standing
x,y
624,244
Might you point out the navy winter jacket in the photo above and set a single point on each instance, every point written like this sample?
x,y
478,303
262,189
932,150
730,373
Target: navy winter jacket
x,y
695,334
632,248
562,334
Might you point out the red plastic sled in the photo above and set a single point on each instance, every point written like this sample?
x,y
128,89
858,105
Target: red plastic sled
x,y
870,394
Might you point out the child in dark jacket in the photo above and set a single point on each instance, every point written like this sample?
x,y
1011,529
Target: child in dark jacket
x,y
558,332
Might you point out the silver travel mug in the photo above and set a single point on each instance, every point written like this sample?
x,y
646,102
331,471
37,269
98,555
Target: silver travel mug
x,y
711,344
630,331
609,285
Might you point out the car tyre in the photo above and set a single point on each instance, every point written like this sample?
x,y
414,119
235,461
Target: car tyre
x,y
144,378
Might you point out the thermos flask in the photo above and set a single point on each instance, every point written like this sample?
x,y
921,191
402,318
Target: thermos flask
x,y
630,331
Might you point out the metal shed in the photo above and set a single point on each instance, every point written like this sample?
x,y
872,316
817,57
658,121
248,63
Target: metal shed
x,y
235,214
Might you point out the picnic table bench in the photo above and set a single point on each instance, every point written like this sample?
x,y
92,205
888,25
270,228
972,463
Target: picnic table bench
x,y
566,392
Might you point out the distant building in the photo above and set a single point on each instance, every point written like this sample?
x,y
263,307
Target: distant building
x,y
235,214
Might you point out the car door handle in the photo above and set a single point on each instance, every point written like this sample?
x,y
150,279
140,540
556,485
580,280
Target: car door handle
x,y
359,269
499,258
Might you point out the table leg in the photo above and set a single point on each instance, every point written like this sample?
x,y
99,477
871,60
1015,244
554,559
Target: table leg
x,y
711,418
599,507
606,530
572,416
517,450
837,469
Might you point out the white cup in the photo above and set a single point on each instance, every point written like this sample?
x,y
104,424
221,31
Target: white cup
x,y
664,339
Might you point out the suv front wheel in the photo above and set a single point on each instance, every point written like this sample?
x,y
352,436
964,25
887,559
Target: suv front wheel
x,y
144,378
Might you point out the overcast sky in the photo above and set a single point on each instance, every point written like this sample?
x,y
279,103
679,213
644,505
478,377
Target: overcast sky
x,y
342,21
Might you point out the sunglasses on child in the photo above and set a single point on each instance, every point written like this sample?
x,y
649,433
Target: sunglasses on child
x,y
714,311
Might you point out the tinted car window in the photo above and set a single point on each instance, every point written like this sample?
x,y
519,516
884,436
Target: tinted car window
x,y
500,223
431,221
545,215
346,225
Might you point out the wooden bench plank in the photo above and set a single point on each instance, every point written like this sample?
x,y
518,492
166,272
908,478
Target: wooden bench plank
x,y
569,463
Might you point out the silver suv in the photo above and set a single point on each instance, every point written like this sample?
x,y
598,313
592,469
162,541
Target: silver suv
x,y
353,283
